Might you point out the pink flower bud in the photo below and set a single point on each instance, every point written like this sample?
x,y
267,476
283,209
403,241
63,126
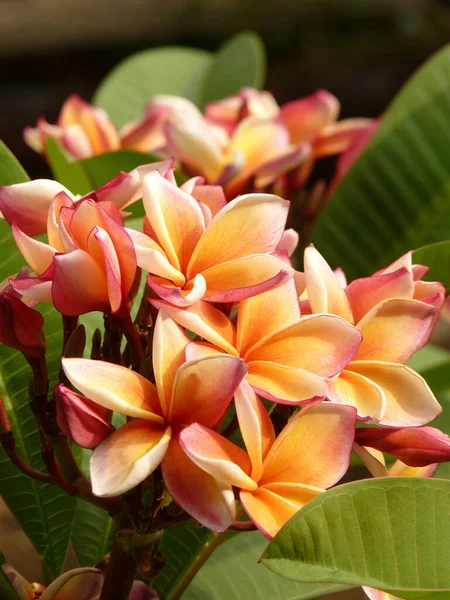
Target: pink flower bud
x,y
80,418
415,446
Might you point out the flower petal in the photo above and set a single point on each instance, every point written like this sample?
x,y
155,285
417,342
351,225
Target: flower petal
x,y
114,387
305,117
337,137
366,292
314,447
169,347
244,277
175,218
287,385
204,388
217,456
208,500
356,390
71,295
409,400
255,425
394,329
78,584
27,204
325,294
152,258
37,254
204,320
127,457
229,237
270,509
322,344
266,313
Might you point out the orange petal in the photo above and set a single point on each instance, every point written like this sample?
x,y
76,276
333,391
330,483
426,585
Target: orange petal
x,y
305,117
355,390
216,455
374,594
322,344
114,387
196,350
266,313
325,293
399,469
127,457
165,289
394,329
175,217
204,320
229,237
244,277
71,295
169,347
204,388
314,447
270,509
366,292
409,400
287,385
255,425
337,137
206,499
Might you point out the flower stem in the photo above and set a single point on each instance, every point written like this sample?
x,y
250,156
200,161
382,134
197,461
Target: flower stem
x,y
119,575
213,542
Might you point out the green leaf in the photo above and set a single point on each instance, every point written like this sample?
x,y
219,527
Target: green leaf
x,y
11,171
233,573
241,62
397,194
6,589
44,511
180,546
391,534
437,257
171,70
70,173
104,167
93,532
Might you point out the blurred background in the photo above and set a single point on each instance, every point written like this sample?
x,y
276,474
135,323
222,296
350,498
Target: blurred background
x,y
360,50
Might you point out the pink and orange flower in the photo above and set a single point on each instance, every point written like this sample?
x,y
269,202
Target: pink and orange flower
x,y
277,475
198,390
226,258
395,312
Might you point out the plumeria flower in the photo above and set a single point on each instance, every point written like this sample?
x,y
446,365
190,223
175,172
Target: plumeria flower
x,y
199,390
89,263
228,259
78,584
276,476
287,356
82,129
27,204
395,312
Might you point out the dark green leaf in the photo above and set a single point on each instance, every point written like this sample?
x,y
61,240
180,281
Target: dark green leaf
x,y
172,70
71,174
233,573
11,171
396,196
104,167
390,534
93,532
241,62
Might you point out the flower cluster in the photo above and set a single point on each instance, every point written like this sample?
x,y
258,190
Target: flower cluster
x,y
242,142
248,376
